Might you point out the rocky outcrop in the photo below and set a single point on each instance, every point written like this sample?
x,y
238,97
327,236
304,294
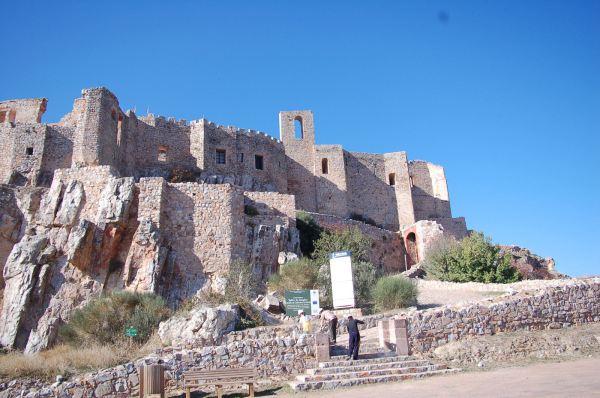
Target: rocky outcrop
x,y
92,232
532,266
208,324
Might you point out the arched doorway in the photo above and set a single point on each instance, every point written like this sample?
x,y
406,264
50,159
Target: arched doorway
x,y
412,256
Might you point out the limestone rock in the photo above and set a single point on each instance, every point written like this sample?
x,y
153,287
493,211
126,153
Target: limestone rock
x,y
286,257
146,259
115,200
207,323
70,204
20,275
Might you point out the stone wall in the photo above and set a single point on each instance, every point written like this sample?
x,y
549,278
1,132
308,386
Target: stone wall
x,y
429,190
276,357
28,110
573,303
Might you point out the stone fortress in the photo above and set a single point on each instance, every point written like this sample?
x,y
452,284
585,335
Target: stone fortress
x,y
97,202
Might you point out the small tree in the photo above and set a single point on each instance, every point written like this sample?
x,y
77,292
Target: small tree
x,y
474,259
350,239
392,292
364,276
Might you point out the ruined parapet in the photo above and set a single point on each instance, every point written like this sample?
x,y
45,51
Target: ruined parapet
x,y
429,190
29,110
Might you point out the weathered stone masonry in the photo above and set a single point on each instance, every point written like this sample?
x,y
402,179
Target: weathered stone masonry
x,y
86,205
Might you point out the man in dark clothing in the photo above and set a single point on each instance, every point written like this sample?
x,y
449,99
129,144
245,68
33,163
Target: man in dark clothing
x,y
353,337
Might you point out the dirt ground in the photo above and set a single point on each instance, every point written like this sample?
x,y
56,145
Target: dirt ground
x,y
580,378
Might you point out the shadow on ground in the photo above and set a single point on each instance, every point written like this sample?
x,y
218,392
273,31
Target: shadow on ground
x,y
262,393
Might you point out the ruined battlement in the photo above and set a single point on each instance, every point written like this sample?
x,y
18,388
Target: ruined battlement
x,y
387,189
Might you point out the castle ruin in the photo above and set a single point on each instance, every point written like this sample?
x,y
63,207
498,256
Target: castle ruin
x,y
98,200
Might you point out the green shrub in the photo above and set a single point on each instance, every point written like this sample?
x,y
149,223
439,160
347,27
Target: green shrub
x,y
474,259
392,292
309,231
104,320
300,274
350,239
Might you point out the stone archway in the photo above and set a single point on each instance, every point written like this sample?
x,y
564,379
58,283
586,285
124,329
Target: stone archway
x,y
412,255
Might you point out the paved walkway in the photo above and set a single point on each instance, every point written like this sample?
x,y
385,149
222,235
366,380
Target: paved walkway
x,y
579,379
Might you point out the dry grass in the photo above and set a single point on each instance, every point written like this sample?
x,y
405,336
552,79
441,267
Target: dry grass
x,y
68,360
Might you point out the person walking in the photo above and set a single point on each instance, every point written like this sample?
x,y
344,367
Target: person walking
x,y
332,321
353,337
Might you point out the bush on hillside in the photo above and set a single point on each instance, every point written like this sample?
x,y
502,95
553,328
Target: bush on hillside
x,y
350,239
242,282
474,259
299,274
104,320
392,292
309,231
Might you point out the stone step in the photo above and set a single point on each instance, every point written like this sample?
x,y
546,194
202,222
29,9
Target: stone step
x,y
366,367
341,383
370,373
392,357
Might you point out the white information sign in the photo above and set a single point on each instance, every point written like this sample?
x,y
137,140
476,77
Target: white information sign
x,y
314,302
342,285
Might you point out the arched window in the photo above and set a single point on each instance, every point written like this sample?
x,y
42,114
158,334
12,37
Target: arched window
x,y
324,166
412,256
298,129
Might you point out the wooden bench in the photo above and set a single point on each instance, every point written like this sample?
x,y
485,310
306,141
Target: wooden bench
x,y
194,379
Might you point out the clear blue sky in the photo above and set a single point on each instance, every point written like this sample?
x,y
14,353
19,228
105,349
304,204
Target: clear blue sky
x,y
504,94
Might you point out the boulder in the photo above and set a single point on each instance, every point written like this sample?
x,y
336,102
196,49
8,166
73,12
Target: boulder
x,y
286,257
205,323
271,304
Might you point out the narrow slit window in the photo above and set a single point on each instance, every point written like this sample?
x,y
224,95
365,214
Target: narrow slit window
x,y
298,128
258,162
162,153
240,157
119,129
324,166
220,156
392,179
29,151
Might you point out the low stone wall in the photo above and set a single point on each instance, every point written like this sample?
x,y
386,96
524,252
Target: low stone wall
x,y
575,302
274,357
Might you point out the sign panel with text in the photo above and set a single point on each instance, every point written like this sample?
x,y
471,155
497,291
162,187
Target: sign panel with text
x,y
342,285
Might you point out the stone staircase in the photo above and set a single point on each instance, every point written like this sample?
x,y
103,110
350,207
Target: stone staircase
x,y
375,365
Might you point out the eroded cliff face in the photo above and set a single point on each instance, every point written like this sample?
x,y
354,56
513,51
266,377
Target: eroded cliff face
x,y
92,232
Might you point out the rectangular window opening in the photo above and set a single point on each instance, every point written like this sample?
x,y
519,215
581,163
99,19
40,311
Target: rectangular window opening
x,y
220,156
324,166
258,162
162,153
240,157
29,151
392,179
